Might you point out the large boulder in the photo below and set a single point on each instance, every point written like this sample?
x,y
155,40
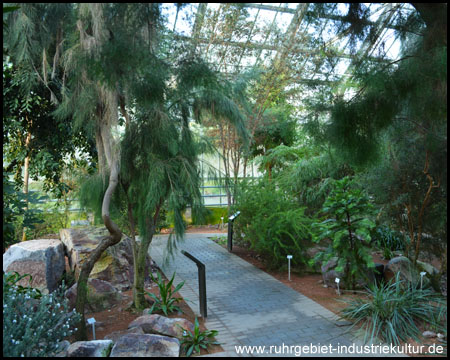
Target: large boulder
x,y
368,277
157,324
116,335
93,348
116,263
101,295
43,259
135,345
404,267
329,274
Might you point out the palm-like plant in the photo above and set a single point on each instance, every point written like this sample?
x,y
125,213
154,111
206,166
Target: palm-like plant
x,y
166,300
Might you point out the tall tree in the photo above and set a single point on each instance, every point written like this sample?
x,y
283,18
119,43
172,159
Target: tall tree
x,y
400,108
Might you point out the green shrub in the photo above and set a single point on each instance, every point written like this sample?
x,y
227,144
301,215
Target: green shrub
x,y
211,217
391,311
273,224
11,279
16,216
192,342
347,211
34,327
386,238
166,301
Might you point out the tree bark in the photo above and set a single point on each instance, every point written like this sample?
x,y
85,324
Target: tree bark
x,y
138,287
26,178
115,233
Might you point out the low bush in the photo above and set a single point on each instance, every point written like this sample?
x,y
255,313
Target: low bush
x,y
273,224
391,312
31,326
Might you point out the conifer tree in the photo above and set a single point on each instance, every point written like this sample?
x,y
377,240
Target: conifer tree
x,y
396,119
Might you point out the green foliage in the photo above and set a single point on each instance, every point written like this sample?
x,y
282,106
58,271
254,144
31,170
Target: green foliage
x,y
166,301
212,217
192,342
386,238
392,311
272,223
30,113
15,213
11,279
348,225
34,327
276,128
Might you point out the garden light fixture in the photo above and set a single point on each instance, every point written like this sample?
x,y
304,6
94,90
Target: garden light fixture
x,y
92,322
337,280
289,257
422,274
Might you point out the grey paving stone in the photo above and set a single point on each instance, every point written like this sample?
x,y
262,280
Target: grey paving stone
x,y
246,305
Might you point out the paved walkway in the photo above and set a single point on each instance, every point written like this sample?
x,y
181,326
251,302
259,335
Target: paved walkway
x,y
246,305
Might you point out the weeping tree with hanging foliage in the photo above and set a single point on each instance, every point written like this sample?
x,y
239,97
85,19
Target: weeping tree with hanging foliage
x,y
97,86
158,90
160,152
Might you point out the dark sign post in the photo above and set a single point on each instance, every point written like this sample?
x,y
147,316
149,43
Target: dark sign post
x,y
201,282
230,230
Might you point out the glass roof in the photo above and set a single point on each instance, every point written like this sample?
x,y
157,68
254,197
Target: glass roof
x,y
307,42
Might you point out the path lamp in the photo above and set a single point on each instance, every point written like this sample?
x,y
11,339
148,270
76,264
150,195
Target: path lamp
x,y
422,274
289,257
337,280
230,230
92,322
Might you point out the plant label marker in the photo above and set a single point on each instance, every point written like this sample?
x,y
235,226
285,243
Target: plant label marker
x,y
92,322
337,280
422,274
289,257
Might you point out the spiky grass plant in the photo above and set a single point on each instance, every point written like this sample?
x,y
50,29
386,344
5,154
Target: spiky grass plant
x,y
392,310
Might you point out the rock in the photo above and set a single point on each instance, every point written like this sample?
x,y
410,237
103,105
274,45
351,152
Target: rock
x,y
115,264
157,324
94,348
430,269
341,323
101,295
64,346
329,274
404,267
313,251
135,345
431,277
429,334
116,335
43,259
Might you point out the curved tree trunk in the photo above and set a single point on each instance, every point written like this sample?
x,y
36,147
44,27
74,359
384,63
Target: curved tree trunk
x,y
115,233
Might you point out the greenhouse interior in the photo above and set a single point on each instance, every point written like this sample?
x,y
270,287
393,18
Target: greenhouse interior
x,y
224,179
